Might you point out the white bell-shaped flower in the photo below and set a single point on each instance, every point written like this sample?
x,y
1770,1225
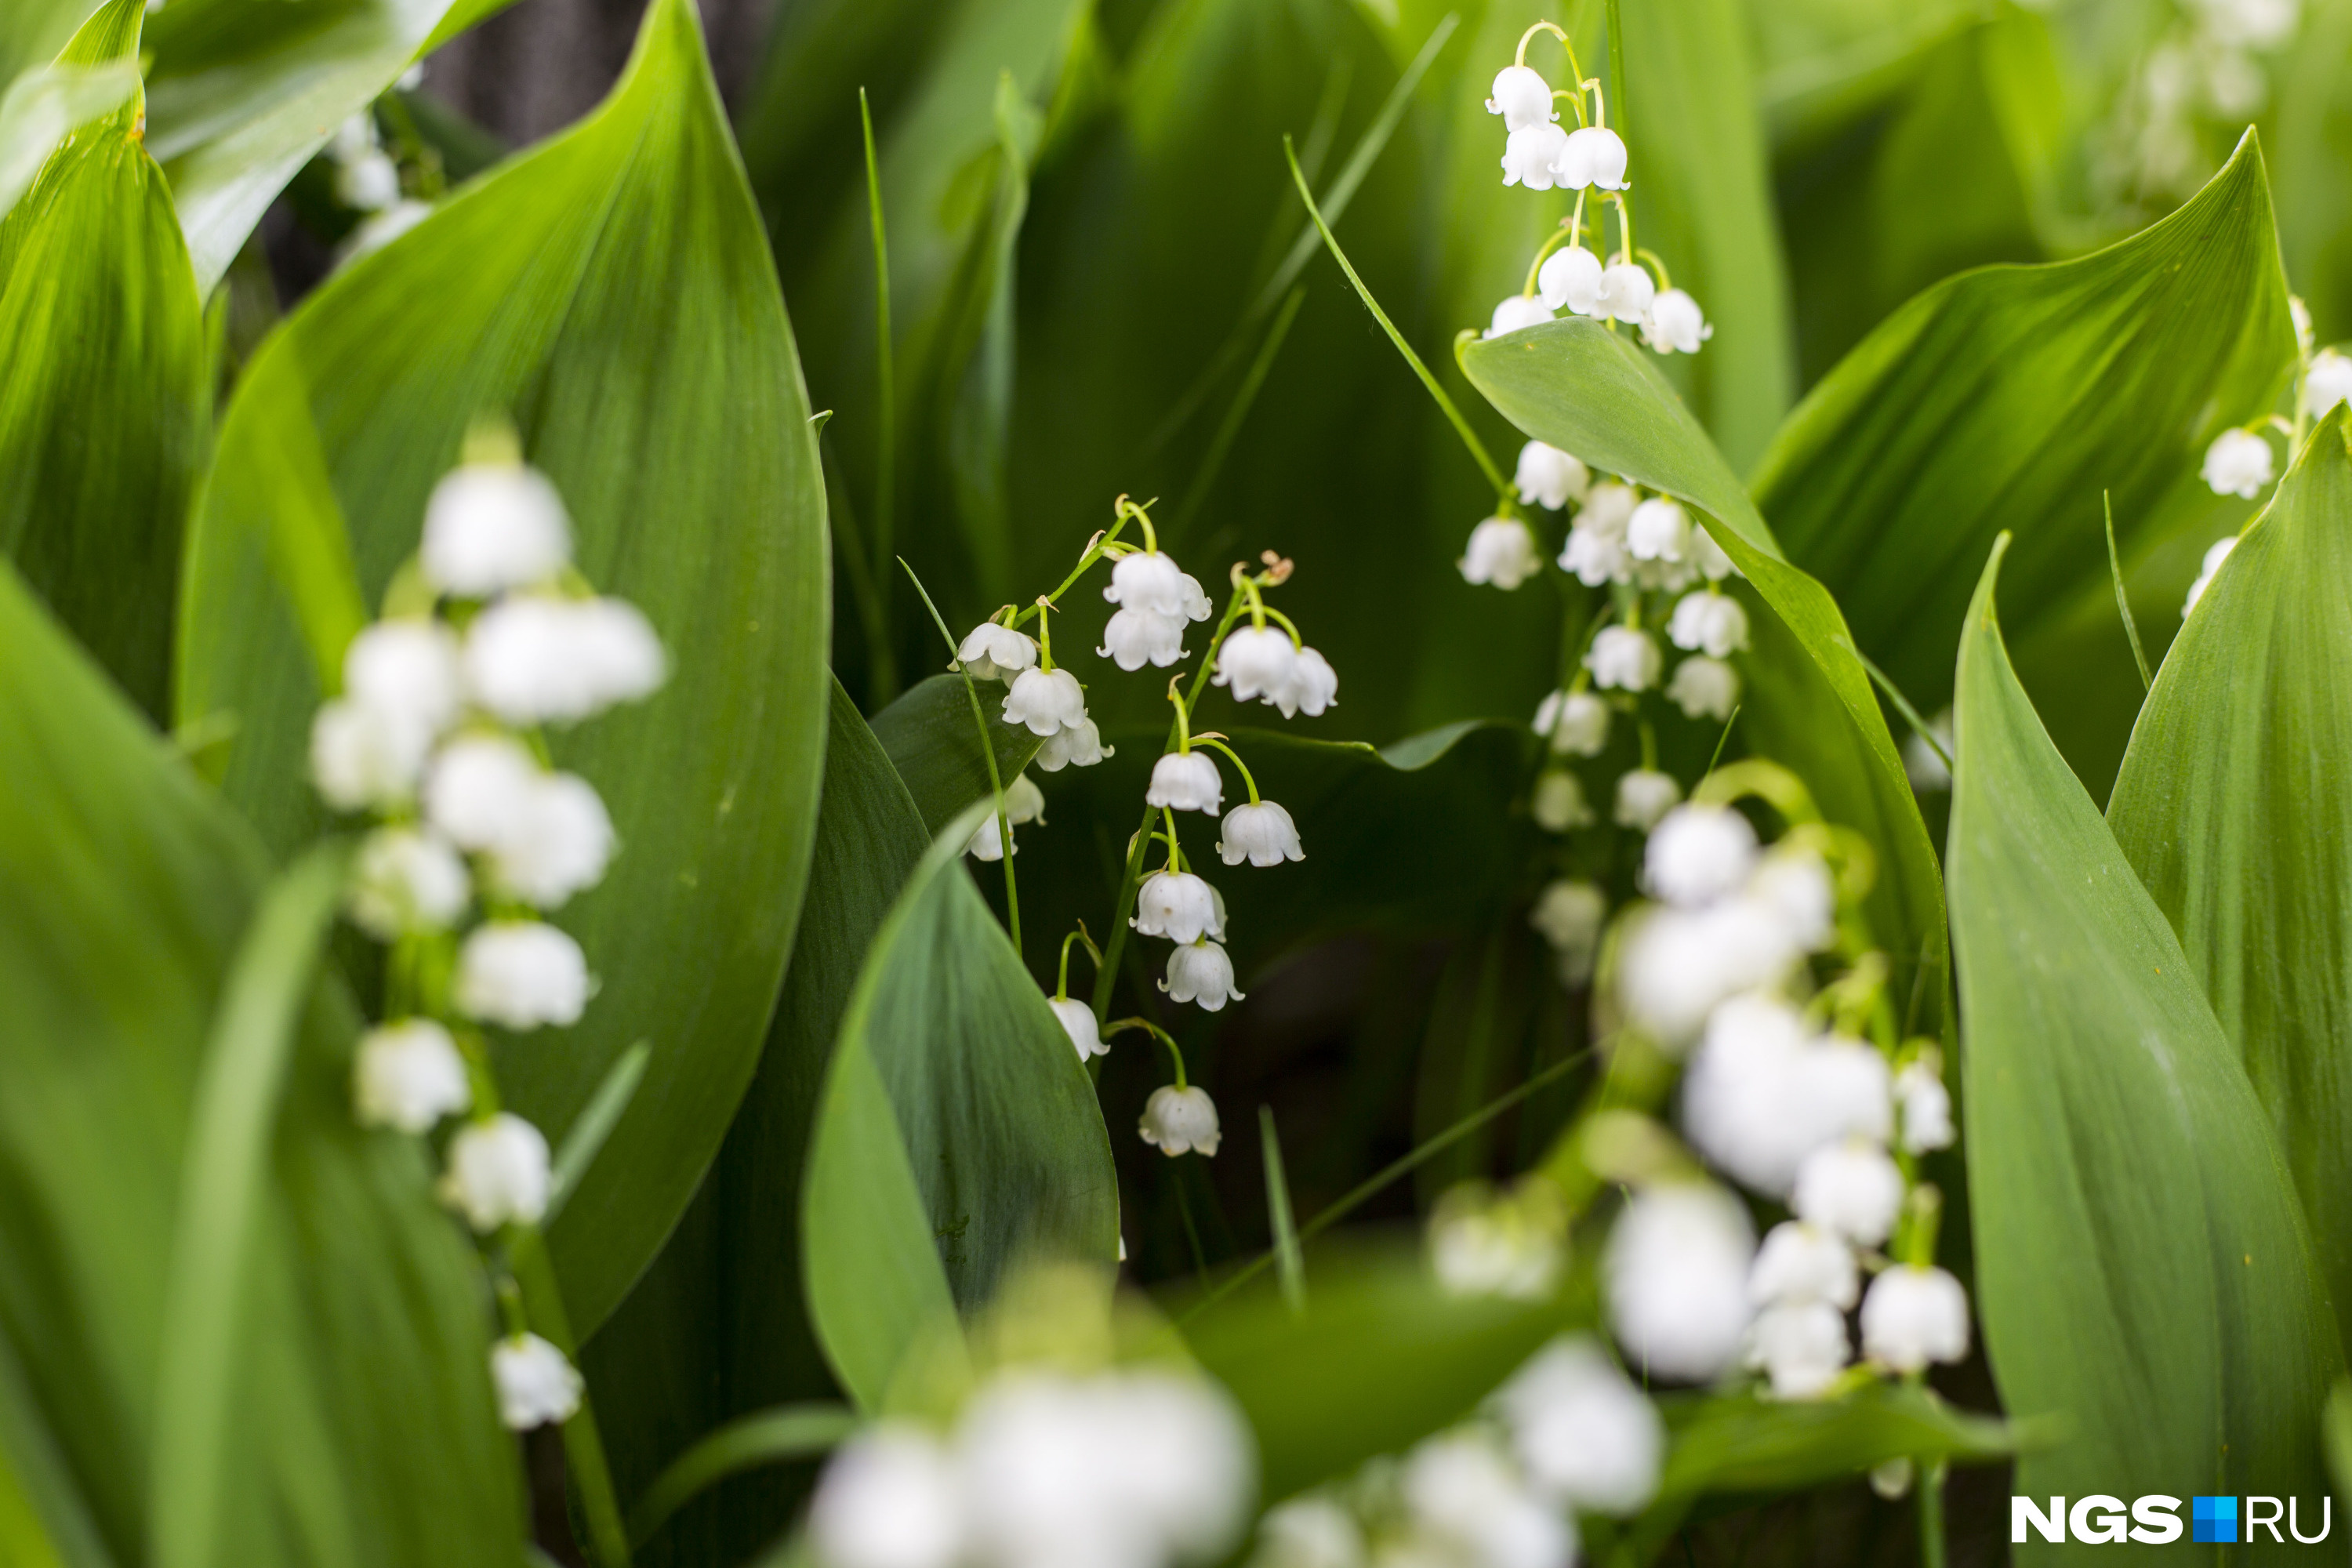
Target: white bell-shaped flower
x,y
1186,781
407,1075
1569,913
361,758
407,670
1793,882
1077,747
1801,1346
489,527
1710,623
1644,796
1078,1022
1522,97
479,787
1260,833
531,659
1502,553
2238,463
1704,688
1627,292
1151,580
1676,323
1576,721
1135,638
1913,1316
1800,1262
1023,801
1531,154
536,1384
1851,1187
497,1172
1593,156
1255,661
404,880
1548,477
1516,312
1709,558
1468,1498
1676,1266
993,652
369,182
1313,686
1623,659
1179,906
521,974
1047,700
1585,1435
1925,1106
987,841
1569,280
1593,557
1609,508
1697,854
2215,553
558,845
1763,1095
1558,804
354,138
890,1497
2327,383
1200,973
1659,530
1679,964
1181,1120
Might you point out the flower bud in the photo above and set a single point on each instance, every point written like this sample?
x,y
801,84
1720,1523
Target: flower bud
x,y
1569,913
992,652
2238,463
1078,1022
1516,312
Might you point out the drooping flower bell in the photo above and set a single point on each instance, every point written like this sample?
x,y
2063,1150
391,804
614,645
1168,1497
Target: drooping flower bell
x,y
521,974
1676,1266
1627,292
2215,553
1800,1262
1576,721
1549,478
1801,1346
1644,796
497,1172
890,1498
1851,1187
1134,637
1501,553
1256,662
1186,781
1569,280
1177,905
1200,973
489,527
1586,1436
407,672
1313,686
1179,1120
1594,156
536,1384
1522,97
1518,311
407,1075
1713,623
1531,156
1569,913
531,659
1046,700
2238,463
1558,804
405,881
1260,833
1078,1022
994,652
1622,658
2327,383
1913,1316
1704,688
1077,747
1925,1106
1659,530
1676,323
1698,854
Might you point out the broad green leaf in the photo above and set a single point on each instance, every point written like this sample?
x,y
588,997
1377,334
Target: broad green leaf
x,y
954,1086
719,1325
105,405
2234,807
2314,134
2011,398
1807,701
2142,1266
360,1426
611,291
41,105
1743,1443
934,742
240,96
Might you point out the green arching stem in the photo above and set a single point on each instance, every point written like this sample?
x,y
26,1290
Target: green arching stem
x,y
1044,633
1150,539
1162,1035
1520,57
1575,98
1600,106
583,1446
1219,742
1625,225
1649,747
988,755
1657,266
1931,1509
1062,982
1269,612
1183,720
1175,850
1096,548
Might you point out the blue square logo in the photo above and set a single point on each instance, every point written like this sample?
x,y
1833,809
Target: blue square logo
x,y
2213,1518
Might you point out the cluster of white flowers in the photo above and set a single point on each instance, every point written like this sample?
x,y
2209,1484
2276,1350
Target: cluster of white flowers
x,y
434,738
1133,1468
2207,67
1569,1435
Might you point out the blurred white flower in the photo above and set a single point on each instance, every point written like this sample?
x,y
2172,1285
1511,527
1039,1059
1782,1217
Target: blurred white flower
x,y
2254,24
1256,661
532,659
497,1172
407,672
1177,905
1791,882
1926,1105
1922,765
1627,292
1577,722
987,841
1047,700
2238,463
558,845
890,1497
1676,323
536,1384
1710,557
1704,688
1679,963
1569,279
1135,638
1178,1119
1501,552
1912,1316
1644,796
1558,803
521,974
1530,156
1260,833
2327,383
1678,1267
1569,914
1851,1187
1186,781
1710,623
1548,477
1801,1346
1594,556
407,1075
1079,746
1078,1022
1586,1436
353,138
1697,854
1309,1532
2217,553
361,758
994,652
1313,686
1801,1262
1485,1243
1522,97
1763,1093
1023,801
1660,529
479,787
1518,311
1624,660
368,183
1608,508
489,527
404,880
1462,1488
1200,973
1595,156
